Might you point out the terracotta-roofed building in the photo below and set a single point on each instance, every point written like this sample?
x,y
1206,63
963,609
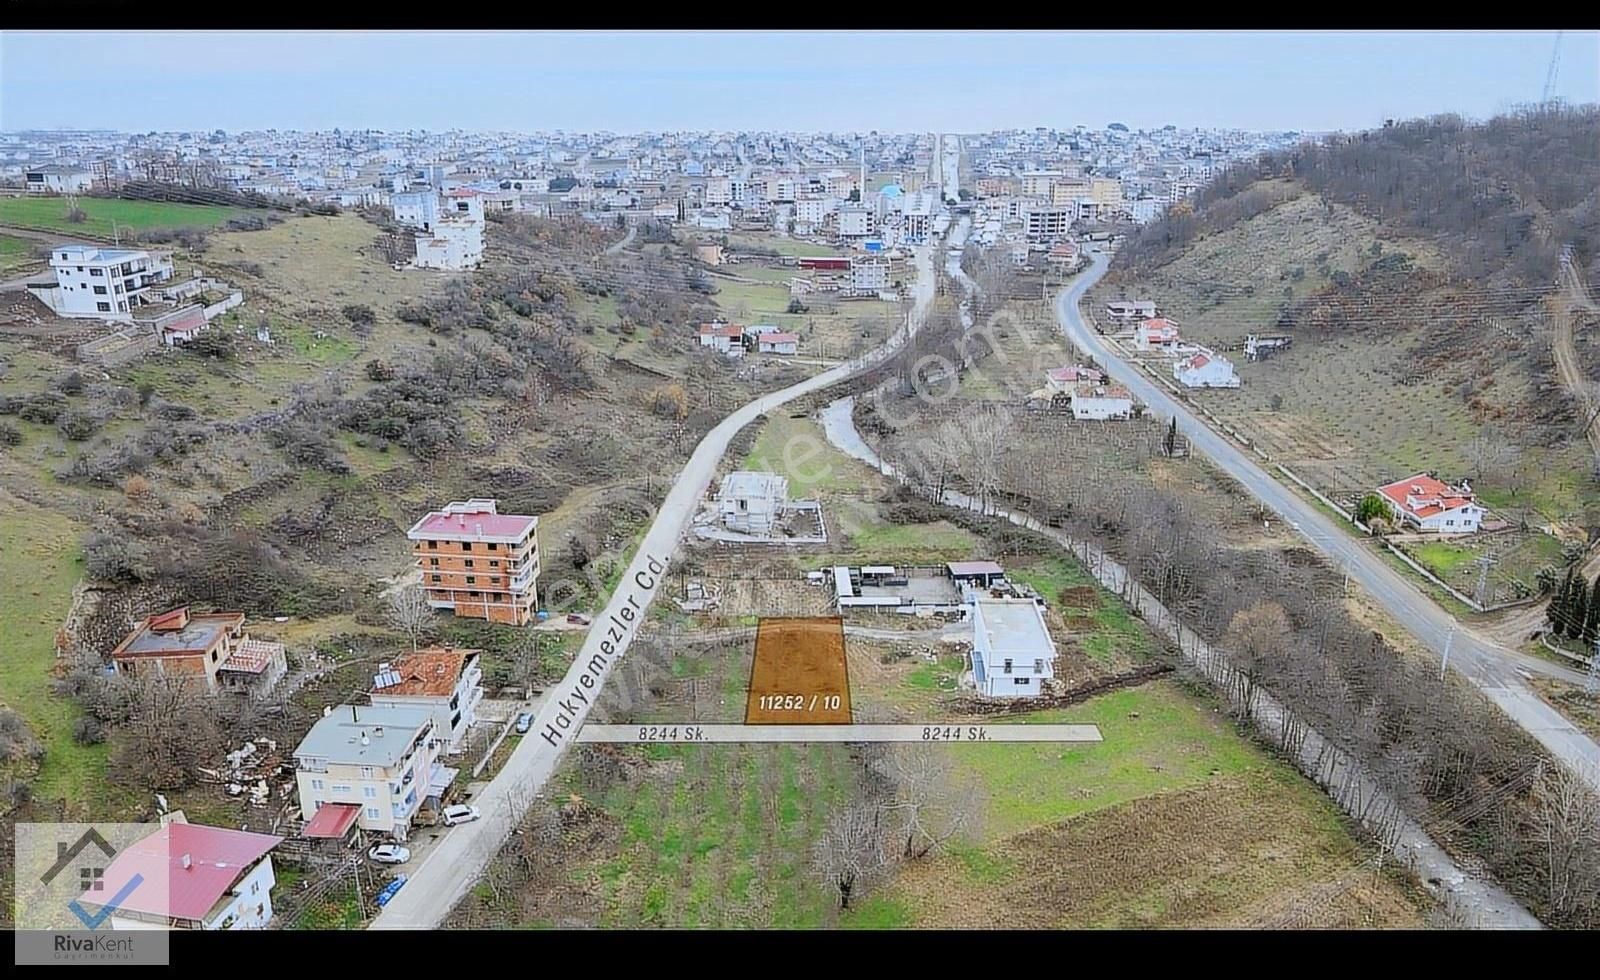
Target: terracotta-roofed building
x,y
479,562
212,647
1430,504
1158,333
190,876
446,681
726,338
778,343
1205,369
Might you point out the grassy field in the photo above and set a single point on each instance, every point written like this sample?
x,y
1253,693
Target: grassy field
x,y
16,253
1111,633
1173,820
782,245
1518,557
798,450
38,569
107,216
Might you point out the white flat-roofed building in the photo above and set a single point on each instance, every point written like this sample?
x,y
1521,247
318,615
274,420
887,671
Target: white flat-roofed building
x,y
751,502
1012,653
102,283
383,760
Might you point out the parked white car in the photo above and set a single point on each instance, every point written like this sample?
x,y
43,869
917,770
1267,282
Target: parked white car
x,y
390,854
460,813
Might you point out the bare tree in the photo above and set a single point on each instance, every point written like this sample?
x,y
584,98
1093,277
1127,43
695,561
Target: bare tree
x,y
169,728
932,802
850,854
1566,819
1255,636
410,613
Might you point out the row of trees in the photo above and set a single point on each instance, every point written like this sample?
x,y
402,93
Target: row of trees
x,y
1574,610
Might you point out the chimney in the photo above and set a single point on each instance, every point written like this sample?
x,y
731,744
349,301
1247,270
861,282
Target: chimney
x,y
365,740
378,731
188,862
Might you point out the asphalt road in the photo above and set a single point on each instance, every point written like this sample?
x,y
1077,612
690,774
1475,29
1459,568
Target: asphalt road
x,y
443,877
1495,670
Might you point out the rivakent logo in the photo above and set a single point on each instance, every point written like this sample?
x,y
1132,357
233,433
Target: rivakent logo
x,y
91,876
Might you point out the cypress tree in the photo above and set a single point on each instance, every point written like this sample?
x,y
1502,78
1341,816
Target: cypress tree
x,y
1591,623
1556,612
1578,611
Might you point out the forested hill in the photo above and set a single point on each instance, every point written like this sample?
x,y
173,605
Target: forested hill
x,y
1499,199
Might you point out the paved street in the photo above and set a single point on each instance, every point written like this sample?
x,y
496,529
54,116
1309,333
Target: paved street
x,y
1495,670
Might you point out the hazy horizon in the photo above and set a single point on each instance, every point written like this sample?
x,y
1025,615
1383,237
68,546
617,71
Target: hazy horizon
x,y
895,82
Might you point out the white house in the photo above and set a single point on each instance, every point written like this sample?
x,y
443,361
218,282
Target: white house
x,y
1139,309
203,877
855,222
455,244
715,219
1205,369
751,502
1012,653
446,681
1159,333
725,338
102,283
1101,402
384,762
57,180
416,209
778,343
1429,504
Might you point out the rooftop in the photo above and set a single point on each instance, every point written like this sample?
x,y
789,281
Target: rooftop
x,y
475,519
1012,626
177,633
216,859
747,483
433,672
389,733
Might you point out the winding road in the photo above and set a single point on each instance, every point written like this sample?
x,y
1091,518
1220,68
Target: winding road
x,y
1498,672
443,877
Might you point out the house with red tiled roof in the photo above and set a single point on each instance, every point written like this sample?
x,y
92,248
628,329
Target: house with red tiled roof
x,y
778,343
189,876
211,647
446,681
1205,369
1430,504
1158,333
725,338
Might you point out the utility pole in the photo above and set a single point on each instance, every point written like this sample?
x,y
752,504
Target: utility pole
x,y
1591,684
1447,641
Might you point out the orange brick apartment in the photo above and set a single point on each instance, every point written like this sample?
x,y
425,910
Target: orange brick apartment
x,y
478,562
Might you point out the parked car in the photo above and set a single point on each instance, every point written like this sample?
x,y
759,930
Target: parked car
x,y
390,854
524,722
460,813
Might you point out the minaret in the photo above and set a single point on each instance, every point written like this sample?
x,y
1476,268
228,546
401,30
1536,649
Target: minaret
x,y
861,147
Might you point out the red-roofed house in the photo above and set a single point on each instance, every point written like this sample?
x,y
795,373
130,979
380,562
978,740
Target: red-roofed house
x,y
726,338
446,681
479,562
1067,379
194,877
1433,505
1205,369
778,343
1159,333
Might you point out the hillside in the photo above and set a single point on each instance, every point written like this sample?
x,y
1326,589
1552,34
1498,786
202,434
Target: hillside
x,y
1413,266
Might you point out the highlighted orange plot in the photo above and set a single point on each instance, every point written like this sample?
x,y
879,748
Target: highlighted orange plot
x,y
799,675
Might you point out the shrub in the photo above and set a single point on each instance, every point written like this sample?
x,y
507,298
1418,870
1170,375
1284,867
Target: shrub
x,y
76,426
16,742
379,371
9,436
88,731
72,384
359,313
147,391
43,408
136,487
1371,507
216,344
113,556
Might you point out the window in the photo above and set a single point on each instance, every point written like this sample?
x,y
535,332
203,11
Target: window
x,y
1022,682
434,562
467,562
1008,665
473,593
366,772
99,290
370,792
494,564
372,813
436,578
493,546
466,546
255,888
433,544
93,272
316,784
103,307
213,656
471,579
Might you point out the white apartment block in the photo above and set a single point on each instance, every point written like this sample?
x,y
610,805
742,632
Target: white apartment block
x,y
383,761
102,283
868,278
1043,223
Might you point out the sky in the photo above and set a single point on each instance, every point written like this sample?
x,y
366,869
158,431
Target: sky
x,y
844,81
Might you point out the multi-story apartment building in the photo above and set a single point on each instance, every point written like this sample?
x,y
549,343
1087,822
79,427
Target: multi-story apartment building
x,y
478,562
102,283
445,681
382,764
1045,223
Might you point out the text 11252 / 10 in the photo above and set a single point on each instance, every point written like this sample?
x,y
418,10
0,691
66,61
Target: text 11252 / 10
x,y
799,702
